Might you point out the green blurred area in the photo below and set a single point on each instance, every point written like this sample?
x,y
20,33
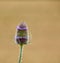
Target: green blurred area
x,y
43,20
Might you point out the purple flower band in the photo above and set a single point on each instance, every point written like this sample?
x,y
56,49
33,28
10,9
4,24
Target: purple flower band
x,y
19,28
22,26
21,40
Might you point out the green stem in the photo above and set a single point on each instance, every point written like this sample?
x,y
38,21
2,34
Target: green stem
x,y
21,51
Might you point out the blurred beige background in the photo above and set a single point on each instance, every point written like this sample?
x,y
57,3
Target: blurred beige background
x,y
43,19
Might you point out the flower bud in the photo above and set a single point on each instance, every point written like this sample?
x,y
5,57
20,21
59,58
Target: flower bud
x,y
22,34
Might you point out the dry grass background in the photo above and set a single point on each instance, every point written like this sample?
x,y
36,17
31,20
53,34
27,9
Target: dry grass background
x,y
43,19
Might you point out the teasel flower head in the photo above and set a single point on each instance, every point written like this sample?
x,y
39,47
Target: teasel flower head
x,y
22,35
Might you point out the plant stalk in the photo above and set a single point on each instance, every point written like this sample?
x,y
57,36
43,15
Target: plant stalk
x,y
21,51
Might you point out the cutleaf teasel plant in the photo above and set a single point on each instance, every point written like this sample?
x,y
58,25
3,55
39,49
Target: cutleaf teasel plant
x,y
21,38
